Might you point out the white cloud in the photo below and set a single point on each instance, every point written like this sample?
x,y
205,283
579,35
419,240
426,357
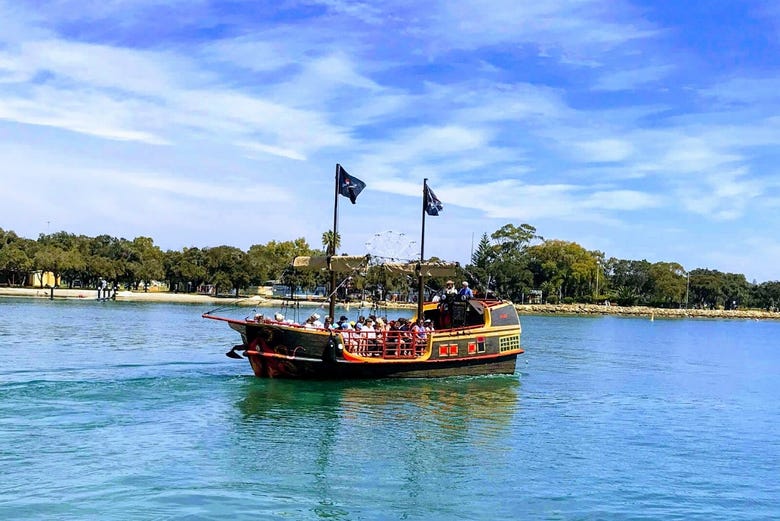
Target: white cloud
x,y
745,90
626,200
605,150
93,114
273,150
573,28
131,70
250,53
632,78
721,196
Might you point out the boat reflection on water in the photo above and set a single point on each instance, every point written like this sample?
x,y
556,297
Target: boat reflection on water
x,y
394,443
451,404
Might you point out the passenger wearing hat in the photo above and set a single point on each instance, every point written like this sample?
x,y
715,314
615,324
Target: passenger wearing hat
x,y
465,291
428,325
368,341
449,289
313,322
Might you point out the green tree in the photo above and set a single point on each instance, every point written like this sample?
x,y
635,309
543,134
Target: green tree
x,y
509,261
50,258
268,261
227,268
766,295
482,261
149,260
706,288
736,290
564,269
629,281
668,282
510,240
73,267
331,242
14,263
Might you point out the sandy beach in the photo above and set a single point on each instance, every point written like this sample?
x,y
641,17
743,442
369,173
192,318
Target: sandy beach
x,y
525,309
134,296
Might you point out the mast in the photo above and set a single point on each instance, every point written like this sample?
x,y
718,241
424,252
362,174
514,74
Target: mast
x,y
420,280
332,246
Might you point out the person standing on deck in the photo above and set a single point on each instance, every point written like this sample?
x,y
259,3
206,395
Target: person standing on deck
x,y
449,289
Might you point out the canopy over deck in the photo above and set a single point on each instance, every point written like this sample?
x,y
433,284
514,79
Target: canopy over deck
x,y
429,269
338,263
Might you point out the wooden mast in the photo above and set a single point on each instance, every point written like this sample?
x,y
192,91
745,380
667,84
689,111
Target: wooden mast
x,y
332,246
420,279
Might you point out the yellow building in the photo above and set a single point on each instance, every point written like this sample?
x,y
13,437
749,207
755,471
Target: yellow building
x,y
39,279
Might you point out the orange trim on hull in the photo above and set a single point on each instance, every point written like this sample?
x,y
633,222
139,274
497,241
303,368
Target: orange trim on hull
x,y
357,359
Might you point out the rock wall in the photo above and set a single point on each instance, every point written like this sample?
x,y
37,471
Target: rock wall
x,y
600,309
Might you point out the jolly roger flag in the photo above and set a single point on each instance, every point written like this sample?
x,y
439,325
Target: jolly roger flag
x,y
349,186
432,204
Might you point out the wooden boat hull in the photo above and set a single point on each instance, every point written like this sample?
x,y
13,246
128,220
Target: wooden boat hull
x,y
489,344
269,367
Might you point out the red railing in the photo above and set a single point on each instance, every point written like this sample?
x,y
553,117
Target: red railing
x,y
385,344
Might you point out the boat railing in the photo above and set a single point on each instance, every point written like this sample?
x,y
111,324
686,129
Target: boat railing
x,y
385,344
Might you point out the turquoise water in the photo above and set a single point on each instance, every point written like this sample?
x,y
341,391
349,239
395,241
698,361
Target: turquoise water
x,y
131,411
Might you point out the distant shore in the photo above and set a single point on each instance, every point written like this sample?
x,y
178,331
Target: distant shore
x,y
642,311
127,296
522,309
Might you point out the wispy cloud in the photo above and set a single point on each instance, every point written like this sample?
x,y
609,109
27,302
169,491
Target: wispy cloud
x,y
632,78
560,114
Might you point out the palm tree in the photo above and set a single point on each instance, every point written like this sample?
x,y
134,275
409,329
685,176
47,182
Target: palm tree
x,y
330,243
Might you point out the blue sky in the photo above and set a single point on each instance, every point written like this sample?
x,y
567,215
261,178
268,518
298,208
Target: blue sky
x,y
643,129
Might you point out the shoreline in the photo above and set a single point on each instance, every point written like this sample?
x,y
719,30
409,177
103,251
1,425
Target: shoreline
x,y
522,309
643,311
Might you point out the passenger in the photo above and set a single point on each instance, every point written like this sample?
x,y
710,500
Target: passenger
x,y
465,291
315,320
350,337
449,289
368,334
428,325
393,338
404,336
342,320
419,332
328,323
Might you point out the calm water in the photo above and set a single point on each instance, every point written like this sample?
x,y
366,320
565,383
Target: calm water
x,y
131,411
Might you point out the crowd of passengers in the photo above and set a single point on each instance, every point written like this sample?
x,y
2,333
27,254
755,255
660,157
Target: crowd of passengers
x,y
367,335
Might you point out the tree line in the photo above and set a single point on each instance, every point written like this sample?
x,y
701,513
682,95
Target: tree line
x,y
513,262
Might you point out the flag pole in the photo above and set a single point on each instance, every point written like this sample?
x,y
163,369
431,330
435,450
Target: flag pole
x,y
420,280
332,246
